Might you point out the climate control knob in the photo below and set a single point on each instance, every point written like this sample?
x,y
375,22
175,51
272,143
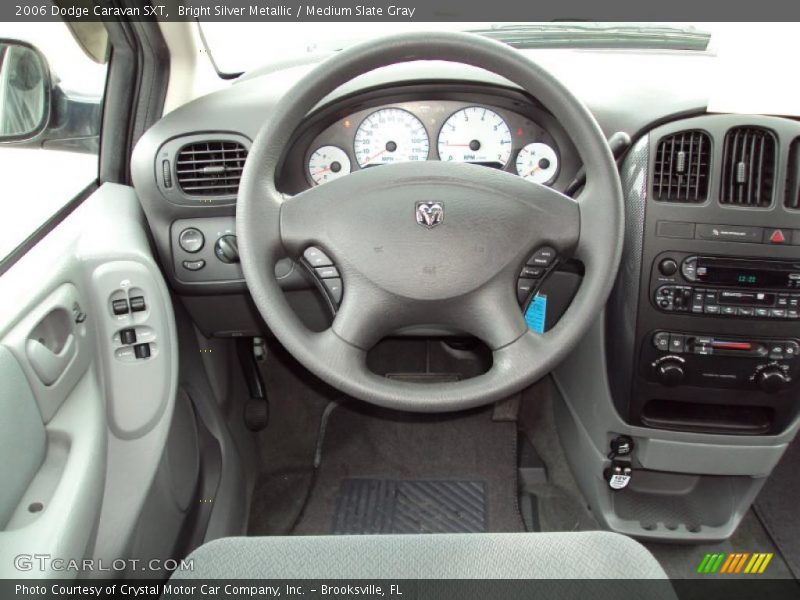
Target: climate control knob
x,y
772,380
670,372
227,249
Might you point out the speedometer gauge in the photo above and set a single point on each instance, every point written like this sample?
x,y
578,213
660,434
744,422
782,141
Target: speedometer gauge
x,y
390,135
475,135
328,163
537,162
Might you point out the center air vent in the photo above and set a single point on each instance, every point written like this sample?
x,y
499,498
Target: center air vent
x,y
793,176
210,168
748,167
680,173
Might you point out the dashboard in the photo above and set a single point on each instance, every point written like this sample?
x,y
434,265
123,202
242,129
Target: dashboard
x,y
697,356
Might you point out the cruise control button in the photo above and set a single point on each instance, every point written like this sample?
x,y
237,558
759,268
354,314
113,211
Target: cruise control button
x,y
327,272
524,288
533,272
543,257
317,258
334,287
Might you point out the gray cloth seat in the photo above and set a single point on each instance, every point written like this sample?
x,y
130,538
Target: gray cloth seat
x,y
576,555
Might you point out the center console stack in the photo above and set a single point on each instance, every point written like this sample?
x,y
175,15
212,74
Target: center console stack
x,y
716,339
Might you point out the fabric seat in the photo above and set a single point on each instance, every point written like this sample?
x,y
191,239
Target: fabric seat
x,y
576,555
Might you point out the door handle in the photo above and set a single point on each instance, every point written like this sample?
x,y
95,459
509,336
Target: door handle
x,y
47,364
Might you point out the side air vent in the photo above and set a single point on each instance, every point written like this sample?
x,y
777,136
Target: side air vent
x,y
748,167
210,168
682,166
793,176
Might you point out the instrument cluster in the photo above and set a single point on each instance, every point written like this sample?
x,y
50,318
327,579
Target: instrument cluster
x,y
444,130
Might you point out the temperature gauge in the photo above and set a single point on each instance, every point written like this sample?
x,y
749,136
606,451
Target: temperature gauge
x,y
537,162
328,163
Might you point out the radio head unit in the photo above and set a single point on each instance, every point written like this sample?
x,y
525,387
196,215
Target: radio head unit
x,y
741,272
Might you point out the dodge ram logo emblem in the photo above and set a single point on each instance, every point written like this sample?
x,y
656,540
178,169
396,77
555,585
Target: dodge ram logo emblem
x,y
430,214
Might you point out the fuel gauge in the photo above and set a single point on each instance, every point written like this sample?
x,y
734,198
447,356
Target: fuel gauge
x,y
537,162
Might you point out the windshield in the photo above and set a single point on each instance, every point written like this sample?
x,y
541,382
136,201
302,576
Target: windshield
x,y
239,47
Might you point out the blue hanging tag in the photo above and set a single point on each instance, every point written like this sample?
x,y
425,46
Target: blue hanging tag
x,y
536,315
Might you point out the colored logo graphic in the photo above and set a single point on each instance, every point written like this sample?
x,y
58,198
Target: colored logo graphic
x,y
735,563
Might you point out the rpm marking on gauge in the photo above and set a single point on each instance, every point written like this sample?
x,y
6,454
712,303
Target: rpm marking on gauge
x,y
475,135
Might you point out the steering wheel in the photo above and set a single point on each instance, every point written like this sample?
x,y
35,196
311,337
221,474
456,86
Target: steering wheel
x,y
460,273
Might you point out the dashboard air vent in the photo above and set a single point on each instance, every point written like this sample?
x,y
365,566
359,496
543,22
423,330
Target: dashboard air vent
x,y
681,169
793,176
210,168
748,167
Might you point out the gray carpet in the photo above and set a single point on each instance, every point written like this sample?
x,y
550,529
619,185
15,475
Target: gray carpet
x,y
363,442
288,444
777,508
559,502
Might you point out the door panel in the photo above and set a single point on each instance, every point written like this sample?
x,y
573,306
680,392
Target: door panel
x,y
84,407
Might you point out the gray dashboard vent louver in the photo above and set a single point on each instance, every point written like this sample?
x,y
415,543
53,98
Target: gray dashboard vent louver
x,y
210,168
748,167
793,176
680,173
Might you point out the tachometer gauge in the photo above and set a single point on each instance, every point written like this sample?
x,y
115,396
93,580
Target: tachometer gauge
x,y
537,162
390,135
328,163
475,135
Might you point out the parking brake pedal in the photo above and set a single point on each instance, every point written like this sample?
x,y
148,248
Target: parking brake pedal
x,y
256,411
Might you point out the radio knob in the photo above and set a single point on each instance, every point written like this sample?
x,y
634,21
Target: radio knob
x,y
670,372
771,380
668,267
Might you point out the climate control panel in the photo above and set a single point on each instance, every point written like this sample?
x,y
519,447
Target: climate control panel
x,y
674,358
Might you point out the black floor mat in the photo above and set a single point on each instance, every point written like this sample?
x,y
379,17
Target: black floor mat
x,y
371,506
776,507
375,461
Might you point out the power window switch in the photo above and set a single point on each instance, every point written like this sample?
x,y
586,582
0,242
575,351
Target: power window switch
x,y
120,307
127,336
141,350
137,304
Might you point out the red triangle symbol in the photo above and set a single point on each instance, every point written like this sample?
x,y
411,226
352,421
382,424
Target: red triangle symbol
x,y
777,237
